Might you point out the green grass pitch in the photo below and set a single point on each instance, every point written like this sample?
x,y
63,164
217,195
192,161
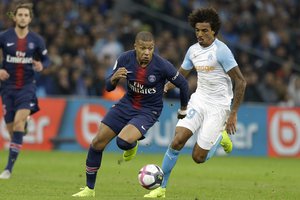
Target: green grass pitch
x,y
57,175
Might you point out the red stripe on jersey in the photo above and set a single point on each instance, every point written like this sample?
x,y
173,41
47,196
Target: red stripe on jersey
x,y
140,77
21,46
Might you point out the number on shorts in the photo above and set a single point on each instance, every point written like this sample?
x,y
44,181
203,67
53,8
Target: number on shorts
x,y
191,113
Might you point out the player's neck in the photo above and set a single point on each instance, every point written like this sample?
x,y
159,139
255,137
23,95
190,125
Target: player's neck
x,y
21,32
143,64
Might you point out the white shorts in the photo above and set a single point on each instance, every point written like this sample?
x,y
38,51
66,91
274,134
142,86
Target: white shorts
x,y
208,124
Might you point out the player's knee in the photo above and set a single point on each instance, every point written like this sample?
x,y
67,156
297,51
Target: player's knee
x,y
199,158
124,145
97,144
19,125
181,137
177,144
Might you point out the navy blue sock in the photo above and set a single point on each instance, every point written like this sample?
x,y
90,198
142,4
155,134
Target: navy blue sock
x,y
93,163
14,149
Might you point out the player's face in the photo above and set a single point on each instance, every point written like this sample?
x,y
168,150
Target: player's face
x,y
22,18
144,51
204,34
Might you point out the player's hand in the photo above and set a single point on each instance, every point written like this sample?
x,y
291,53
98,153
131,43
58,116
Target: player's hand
x,y
231,123
120,73
3,75
37,66
168,86
181,114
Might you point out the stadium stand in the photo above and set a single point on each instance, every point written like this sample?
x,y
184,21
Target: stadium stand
x,y
85,36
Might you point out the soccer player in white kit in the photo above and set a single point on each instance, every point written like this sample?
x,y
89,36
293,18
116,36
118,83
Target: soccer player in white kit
x,y
211,113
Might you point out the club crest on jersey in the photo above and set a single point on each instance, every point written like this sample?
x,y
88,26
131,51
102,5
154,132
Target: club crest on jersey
x,y
151,78
31,45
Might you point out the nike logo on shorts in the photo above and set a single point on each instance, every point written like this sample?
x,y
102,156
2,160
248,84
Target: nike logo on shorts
x,y
10,44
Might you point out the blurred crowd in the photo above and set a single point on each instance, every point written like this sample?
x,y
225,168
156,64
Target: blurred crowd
x,y
84,38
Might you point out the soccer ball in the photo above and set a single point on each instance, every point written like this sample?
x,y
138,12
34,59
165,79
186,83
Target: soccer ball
x,y
150,176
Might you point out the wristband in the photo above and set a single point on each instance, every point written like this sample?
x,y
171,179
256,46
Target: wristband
x,y
182,112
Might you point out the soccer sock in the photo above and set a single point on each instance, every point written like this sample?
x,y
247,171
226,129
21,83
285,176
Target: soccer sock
x,y
93,162
168,164
14,149
214,148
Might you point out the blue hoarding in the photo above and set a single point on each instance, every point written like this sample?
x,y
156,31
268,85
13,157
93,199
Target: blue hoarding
x,y
82,116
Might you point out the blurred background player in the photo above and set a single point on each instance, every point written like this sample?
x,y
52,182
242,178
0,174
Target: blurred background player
x,y
20,48
209,108
129,119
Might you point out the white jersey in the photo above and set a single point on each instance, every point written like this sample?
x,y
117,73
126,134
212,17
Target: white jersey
x,y
212,63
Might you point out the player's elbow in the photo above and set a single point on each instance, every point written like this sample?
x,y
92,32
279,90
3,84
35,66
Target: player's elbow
x,y
109,86
242,83
109,89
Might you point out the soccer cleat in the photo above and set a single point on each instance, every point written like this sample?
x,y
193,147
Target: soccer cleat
x,y
130,154
157,193
85,192
226,142
5,174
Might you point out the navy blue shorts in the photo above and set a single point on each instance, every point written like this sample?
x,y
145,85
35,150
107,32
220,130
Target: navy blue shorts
x,y
120,115
16,99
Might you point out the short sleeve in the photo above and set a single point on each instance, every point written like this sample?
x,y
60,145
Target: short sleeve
x,y
187,63
225,57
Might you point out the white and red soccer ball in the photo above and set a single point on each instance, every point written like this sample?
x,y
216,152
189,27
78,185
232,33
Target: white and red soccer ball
x,y
150,176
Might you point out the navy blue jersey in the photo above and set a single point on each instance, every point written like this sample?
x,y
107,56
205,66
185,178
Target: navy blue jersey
x,y
18,55
145,85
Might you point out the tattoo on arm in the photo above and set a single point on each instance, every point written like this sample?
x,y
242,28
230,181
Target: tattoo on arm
x,y
240,86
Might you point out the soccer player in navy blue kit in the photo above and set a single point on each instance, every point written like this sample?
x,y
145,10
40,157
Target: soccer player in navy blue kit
x,y
20,48
146,74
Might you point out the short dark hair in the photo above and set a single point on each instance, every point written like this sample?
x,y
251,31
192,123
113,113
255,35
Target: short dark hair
x,y
208,15
28,6
144,36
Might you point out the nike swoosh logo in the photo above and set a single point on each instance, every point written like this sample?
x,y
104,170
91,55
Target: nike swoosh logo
x,y
9,44
143,127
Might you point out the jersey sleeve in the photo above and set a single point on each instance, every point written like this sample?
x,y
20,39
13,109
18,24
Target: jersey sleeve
x,y
108,85
226,58
2,43
187,63
42,52
1,40
179,81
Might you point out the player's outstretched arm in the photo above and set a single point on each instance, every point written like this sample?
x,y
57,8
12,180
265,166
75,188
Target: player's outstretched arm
x,y
169,86
180,82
